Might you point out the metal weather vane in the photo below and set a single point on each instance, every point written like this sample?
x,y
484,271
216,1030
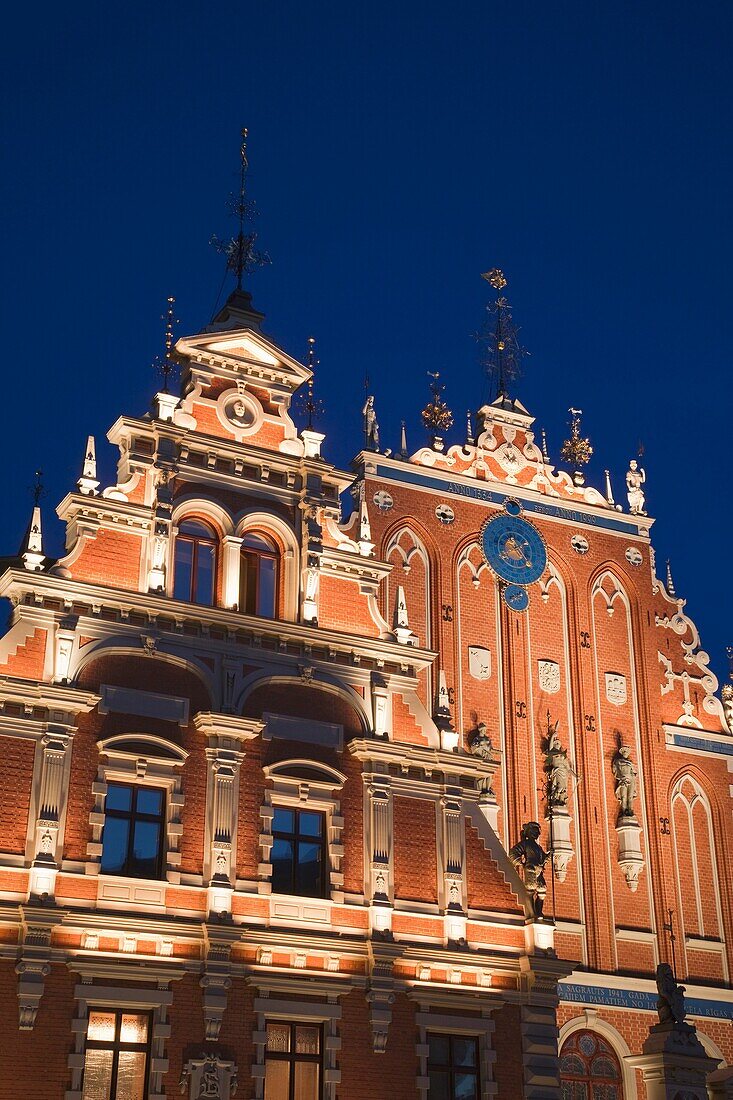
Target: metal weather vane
x,y
37,489
242,256
165,364
499,337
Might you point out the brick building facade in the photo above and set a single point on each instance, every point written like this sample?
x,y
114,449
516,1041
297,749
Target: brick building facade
x,y
262,767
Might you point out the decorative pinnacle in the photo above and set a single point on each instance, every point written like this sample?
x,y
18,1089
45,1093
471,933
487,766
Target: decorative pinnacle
x,y
165,364
311,405
242,256
436,416
500,336
577,449
669,582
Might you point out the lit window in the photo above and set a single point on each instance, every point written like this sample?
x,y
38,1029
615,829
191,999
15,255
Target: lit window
x,y
589,1069
116,1055
293,1062
133,831
258,576
299,852
194,573
453,1067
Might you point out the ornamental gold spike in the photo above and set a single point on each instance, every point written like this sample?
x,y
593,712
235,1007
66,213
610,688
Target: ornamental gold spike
x,y
495,278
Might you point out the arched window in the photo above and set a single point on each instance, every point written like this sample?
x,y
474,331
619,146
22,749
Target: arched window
x,y
589,1069
194,575
258,576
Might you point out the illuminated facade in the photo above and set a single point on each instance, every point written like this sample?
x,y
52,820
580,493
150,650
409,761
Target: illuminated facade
x,y
266,771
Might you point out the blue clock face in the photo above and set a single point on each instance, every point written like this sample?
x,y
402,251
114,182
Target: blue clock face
x,y
515,597
514,549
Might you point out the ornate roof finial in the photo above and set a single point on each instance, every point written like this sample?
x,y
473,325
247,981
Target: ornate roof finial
x,y
470,438
500,336
242,256
87,483
577,449
310,405
436,416
403,440
32,552
545,452
165,364
609,491
669,583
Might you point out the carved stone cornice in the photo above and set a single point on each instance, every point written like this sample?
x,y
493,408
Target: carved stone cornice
x,y
398,757
227,726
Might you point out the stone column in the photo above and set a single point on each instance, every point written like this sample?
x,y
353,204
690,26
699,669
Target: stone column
x,y
453,854
673,1063
223,798
50,807
232,547
380,854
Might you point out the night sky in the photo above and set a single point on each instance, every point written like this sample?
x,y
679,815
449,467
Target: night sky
x,y
397,151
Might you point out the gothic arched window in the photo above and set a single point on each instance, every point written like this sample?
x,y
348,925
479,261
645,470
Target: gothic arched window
x,y
258,576
589,1069
194,570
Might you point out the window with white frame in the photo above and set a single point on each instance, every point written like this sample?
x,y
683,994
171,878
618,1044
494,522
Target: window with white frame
x,y
136,820
117,1055
301,831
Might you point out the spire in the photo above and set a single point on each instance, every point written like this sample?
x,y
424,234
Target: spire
x,y
609,491
400,622
577,450
436,415
165,364
366,546
311,405
470,438
500,336
403,440
242,255
545,452
669,584
87,483
32,552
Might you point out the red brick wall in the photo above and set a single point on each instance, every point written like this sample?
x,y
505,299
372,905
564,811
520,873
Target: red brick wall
x,y
369,1076
112,558
414,852
33,1064
16,775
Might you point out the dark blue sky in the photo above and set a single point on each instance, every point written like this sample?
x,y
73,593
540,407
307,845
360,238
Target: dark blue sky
x,y
397,151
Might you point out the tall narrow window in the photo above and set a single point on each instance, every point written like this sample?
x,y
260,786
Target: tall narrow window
x,y
133,831
117,1055
293,1061
589,1069
453,1067
194,573
299,852
258,576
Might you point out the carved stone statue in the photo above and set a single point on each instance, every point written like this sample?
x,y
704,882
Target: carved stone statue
x,y
625,775
635,478
671,1001
371,427
531,856
480,744
557,768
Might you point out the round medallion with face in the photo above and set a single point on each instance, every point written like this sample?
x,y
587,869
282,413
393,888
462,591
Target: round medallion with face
x,y
514,549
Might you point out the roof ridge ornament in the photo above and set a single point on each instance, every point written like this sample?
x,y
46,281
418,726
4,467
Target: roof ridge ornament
x,y
32,554
577,450
436,416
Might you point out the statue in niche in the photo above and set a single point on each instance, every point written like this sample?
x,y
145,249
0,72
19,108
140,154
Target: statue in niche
x,y
480,745
371,426
558,768
635,478
671,1000
529,854
625,775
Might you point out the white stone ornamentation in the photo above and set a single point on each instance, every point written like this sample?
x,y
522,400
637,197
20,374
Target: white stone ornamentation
x,y
209,1076
479,662
579,544
616,691
549,676
383,500
445,514
634,556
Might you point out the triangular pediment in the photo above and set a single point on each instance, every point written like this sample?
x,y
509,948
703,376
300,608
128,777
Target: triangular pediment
x,y
243,353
